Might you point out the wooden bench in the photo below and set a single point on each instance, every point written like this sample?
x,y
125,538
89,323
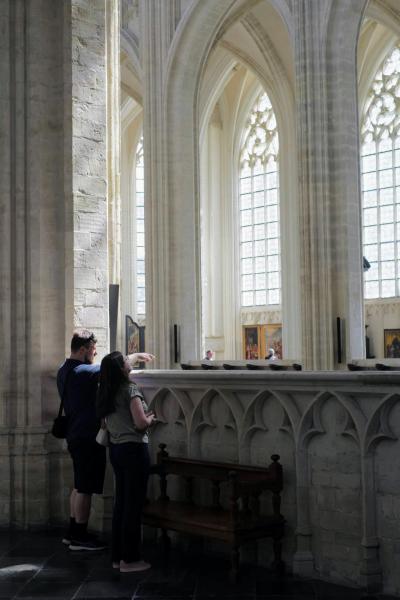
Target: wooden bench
x,y
235,524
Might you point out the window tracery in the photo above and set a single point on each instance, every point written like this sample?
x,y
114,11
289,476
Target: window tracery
x,y
380,174
260,269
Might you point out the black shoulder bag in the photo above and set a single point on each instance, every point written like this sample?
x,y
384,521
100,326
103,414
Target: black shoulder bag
x,y
60,423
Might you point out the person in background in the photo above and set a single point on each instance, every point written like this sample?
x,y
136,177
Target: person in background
x,y
77,381
122,406
271,355
209,355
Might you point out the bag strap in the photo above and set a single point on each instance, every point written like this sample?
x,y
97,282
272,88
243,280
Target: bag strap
x,y
64,392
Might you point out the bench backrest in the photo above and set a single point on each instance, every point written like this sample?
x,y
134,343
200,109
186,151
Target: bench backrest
x,y
269,478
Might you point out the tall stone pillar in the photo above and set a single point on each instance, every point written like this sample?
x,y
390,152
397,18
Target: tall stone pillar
x,y
326,34
213,249
93,243
53,243
86,115
32,259
158,21
114,150
331,259
313,163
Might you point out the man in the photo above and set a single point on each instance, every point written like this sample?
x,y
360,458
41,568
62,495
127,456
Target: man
x,y
209,355
77,381
271,355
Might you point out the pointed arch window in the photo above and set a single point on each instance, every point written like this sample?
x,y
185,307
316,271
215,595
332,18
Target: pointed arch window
x,y
139,232
260,260
380,175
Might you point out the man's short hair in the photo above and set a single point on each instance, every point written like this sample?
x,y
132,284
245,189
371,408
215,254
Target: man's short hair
x,y
82,337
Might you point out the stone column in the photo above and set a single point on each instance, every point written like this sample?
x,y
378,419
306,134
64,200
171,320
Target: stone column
x,y
331,259
86,247
93,246
114,152
31,269
317,313
343,120
213,248
158,20
54,260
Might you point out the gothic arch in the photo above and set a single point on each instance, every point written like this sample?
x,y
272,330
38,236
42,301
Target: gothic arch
x,y
201,413
379,44
253,421
196,33
203,422
378,426
383,13
183,401
311,424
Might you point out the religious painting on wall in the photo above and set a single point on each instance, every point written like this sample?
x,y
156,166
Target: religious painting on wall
x,y
251,341
392,343
273,338
258,339
134,336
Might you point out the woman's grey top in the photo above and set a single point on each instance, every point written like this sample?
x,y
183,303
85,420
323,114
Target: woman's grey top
x,y
120,423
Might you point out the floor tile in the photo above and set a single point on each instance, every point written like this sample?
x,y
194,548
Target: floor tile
x,y
37,566
18,569
107,589
44,589
8,589
285,588
164,590
59,574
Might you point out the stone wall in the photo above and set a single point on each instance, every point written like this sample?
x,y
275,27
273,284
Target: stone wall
x,y
338,438
54,229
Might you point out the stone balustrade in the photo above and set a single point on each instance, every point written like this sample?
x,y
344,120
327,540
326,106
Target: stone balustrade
x,y
338,437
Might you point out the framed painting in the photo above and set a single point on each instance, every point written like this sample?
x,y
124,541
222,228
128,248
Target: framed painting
x,y
134,336
272,338
391,342
251,341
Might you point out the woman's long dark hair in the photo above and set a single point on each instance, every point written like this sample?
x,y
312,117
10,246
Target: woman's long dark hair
x,y
112,376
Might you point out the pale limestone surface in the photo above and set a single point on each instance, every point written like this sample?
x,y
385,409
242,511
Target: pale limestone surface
x,y
189,72
338,438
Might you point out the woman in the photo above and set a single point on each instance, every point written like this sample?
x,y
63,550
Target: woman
x,y
122,405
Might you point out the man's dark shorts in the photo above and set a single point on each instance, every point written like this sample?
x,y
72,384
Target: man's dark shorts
x,y
89,460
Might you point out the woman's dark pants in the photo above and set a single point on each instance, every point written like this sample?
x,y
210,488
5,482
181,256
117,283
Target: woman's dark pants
x,y
131,464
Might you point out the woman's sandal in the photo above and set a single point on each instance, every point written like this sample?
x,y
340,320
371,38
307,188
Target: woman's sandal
x,y
133,567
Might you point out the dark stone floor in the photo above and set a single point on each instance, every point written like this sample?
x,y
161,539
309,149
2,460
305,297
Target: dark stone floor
x,y
37,566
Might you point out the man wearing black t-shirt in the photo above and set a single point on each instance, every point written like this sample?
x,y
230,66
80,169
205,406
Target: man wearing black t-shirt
x,y
77,379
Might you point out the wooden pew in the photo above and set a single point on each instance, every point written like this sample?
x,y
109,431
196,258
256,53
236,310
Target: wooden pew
x,y
237,523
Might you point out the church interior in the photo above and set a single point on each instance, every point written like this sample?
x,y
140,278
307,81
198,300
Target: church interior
x,y
210,180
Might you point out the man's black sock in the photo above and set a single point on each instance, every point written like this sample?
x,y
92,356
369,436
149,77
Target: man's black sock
x,y
71,525
80,531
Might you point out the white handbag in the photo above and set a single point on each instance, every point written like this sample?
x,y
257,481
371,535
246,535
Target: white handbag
x,y
102,437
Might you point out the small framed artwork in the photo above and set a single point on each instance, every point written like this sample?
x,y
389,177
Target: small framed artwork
x,y
251,340
273,338
391,343
134,336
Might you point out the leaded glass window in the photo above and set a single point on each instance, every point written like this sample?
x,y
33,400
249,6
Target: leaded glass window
x,y
139,232
260,261
380,180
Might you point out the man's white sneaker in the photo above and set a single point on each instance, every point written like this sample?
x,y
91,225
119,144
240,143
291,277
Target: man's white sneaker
x,y
87,543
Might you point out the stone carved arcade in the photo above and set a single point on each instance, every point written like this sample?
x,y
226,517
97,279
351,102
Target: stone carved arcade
x,y
338,438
